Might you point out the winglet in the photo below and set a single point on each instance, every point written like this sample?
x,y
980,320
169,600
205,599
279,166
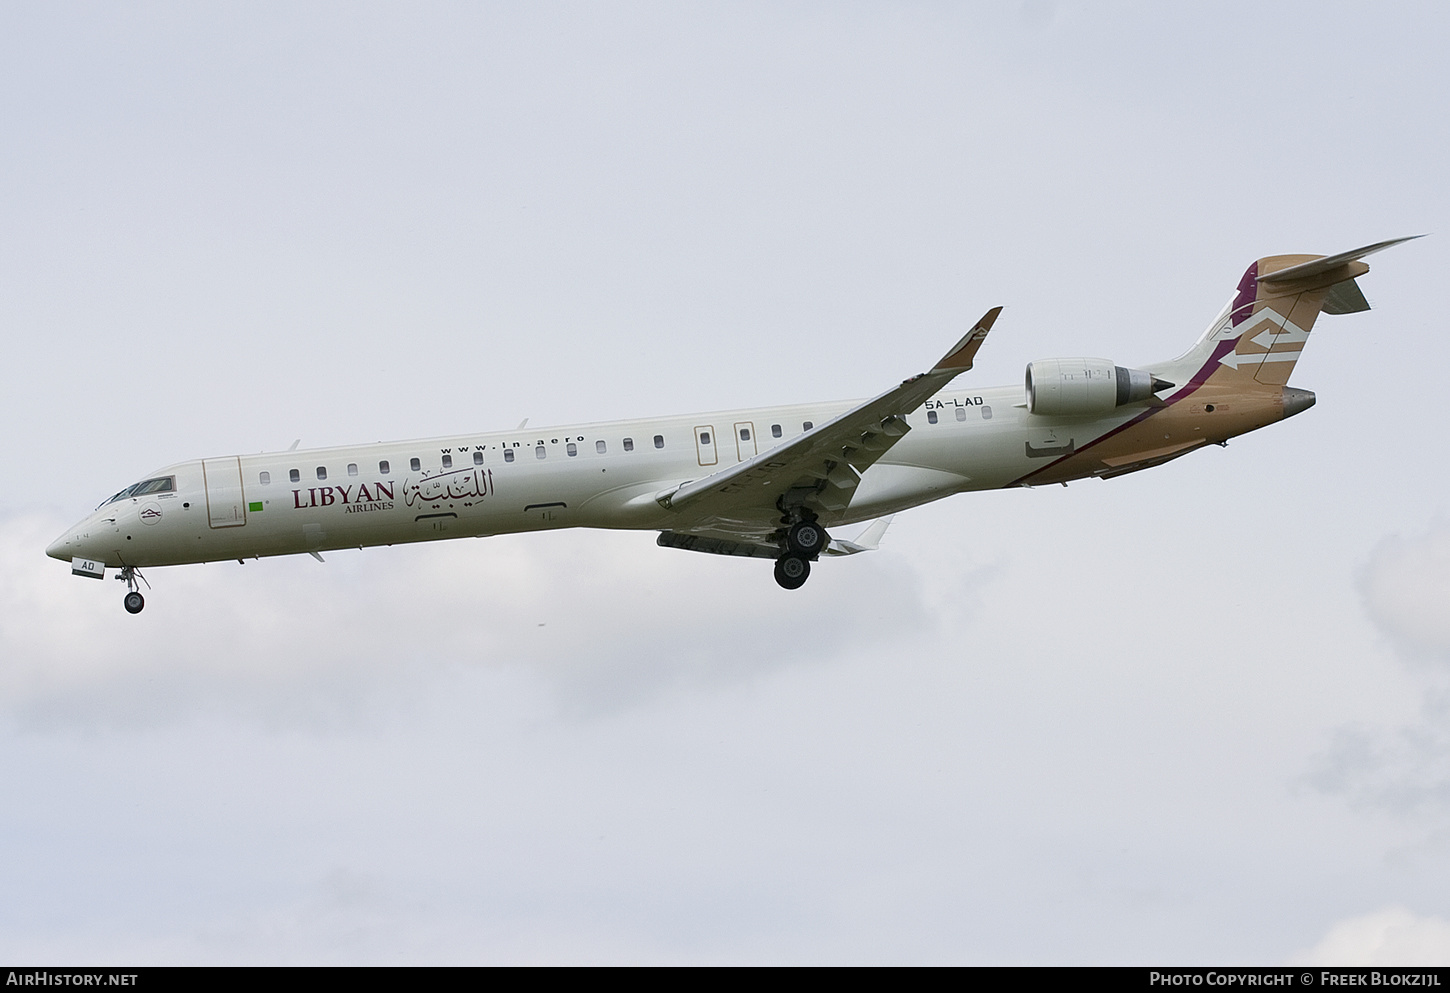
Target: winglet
x,y
959,359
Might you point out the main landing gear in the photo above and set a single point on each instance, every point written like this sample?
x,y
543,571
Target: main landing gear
x,y
792,571
804,541
134,602
806,538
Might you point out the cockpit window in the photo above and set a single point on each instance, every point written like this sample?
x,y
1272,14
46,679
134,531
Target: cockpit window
x,y
161,484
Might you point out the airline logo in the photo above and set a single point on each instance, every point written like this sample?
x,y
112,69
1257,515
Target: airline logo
x,y
1281,338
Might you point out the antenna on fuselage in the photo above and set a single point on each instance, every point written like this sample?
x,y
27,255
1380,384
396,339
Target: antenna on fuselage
x,y
294,445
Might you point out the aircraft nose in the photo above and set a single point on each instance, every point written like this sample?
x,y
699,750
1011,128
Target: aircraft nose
x,y
68,545
59,549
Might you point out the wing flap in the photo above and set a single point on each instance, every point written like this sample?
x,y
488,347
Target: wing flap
x,y
715,545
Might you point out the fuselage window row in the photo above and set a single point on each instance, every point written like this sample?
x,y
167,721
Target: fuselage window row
x,y
540,452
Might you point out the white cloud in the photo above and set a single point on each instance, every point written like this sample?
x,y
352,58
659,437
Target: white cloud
x,y
1392,936
1404,770
606,619
1406,589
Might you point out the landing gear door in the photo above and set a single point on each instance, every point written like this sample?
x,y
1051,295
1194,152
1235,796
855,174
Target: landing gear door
x,y
224,506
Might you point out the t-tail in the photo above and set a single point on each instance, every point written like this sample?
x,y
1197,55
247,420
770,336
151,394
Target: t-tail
x,y
1260,335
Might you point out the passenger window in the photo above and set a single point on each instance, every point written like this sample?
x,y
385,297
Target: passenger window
x,y
572,449
352,468
265,478
704,437
659,441
629,444
540,452
508,454
744,434
415,465
986,413
961,413
931,417
294,475
599,446
322,472
383,467
806,426
775,430
477,457
448,461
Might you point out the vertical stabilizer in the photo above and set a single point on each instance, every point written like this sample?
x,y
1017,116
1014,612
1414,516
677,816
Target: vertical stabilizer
x,y
1260,335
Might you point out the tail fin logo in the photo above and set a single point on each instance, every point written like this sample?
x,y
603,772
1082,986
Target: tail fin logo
x,y
1281,339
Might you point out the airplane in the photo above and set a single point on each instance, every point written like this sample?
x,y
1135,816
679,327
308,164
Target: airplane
x,y
766,483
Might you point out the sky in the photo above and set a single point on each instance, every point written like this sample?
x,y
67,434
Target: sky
x,y
1198,715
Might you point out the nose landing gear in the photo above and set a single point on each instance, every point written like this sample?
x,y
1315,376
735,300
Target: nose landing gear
x,y
134,602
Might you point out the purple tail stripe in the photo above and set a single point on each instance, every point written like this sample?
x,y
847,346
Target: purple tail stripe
x,y
1248,293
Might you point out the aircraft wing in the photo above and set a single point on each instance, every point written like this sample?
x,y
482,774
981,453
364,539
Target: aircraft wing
x,y
821,468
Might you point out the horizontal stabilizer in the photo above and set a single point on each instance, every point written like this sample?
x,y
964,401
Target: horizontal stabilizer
x,y
867,541
1319,267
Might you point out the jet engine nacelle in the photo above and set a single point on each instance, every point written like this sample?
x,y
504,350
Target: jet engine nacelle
x,y
1086,386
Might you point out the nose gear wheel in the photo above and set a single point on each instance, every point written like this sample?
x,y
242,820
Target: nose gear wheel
x,y
134,602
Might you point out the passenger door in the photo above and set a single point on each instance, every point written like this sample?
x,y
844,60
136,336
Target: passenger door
x,y
224,506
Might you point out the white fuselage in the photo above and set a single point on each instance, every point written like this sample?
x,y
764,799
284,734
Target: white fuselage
x,y
604,475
